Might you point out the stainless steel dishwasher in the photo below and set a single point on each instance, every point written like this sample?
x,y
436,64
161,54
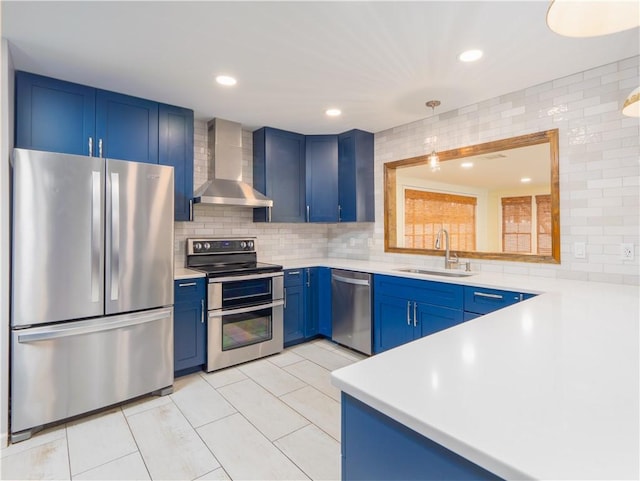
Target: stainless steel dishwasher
x,y
351,306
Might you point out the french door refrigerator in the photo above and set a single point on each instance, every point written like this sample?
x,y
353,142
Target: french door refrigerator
x,y
92,285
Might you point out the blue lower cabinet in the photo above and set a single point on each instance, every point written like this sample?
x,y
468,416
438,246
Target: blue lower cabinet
x,y
407,309
480,300
189,325
325,317
294,314
376,447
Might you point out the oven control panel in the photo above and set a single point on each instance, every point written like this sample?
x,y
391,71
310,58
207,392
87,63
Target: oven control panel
x,y
221,246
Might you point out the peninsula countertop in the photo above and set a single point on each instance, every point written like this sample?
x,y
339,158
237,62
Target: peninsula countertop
x,y
543,389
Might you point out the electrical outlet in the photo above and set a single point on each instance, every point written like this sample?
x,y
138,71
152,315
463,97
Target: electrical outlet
x,y
579,250
352,241
370,242
626,251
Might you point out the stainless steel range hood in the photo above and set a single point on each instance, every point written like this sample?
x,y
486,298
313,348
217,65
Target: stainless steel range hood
x,y
225,186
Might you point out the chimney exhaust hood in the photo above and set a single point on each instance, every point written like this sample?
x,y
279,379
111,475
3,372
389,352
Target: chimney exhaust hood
x,y
225,186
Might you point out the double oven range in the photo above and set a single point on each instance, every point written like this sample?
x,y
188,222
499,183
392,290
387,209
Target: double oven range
x,y
245,300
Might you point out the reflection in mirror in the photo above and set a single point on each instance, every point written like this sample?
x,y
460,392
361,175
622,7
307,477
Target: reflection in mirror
x,y
497,200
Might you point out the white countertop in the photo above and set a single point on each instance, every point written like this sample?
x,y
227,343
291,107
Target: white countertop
x,y
180,273
543,389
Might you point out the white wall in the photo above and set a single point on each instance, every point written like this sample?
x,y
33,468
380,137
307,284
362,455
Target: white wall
x,y
6,145
599,170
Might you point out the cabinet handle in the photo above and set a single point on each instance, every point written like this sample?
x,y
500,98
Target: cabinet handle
x,y
408,313
308,216
90,146
100,148
308,278
293,273
415,317
187,284
202,311
269,214
285,298
190,209
339,213
490,296
521,297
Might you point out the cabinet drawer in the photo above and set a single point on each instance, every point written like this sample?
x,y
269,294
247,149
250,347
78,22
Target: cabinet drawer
x,y
429,292
293,277
482,301
186,290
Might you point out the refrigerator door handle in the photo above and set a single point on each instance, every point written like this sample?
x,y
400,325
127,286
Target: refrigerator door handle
x,y
96,209
91,327
115,235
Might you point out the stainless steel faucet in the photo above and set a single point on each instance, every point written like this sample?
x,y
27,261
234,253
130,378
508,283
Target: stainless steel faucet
x,y
448,262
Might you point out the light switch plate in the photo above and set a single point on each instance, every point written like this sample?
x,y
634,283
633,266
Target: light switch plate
x,y
579,250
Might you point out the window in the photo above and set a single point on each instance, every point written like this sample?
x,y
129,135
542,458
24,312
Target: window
x,y
426,212
516,224
543,222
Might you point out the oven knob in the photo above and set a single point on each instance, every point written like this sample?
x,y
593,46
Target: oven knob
x,y
250,244
197,246
207,245
243,244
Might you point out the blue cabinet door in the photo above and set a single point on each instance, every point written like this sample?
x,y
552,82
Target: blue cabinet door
x,y
322,178
176,149
294,314
54,115
127,127
189,324
279,173
392,319
355,176
325,316
431,319
312,286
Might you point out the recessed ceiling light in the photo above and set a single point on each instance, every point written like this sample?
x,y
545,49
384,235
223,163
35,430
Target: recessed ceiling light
x,y
466,165
524,180
225,80
470,55
333,112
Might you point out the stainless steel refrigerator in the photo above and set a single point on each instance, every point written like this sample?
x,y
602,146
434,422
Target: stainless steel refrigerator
x,y
92,285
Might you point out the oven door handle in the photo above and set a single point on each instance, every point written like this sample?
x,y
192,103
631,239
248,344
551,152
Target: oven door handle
x,y
248,277
243,310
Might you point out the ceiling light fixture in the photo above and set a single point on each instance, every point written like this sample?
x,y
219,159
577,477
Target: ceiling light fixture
x,y
525,180
592,18
434,160
333,112
226,80
466,165
470,55
631,106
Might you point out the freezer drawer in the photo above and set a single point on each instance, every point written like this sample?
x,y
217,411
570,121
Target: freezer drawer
x,y
72,368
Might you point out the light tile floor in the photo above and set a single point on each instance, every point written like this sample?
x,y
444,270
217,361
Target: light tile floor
x,y
273,418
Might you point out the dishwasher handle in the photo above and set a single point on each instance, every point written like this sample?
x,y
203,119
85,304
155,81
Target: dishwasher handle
x,y
346,280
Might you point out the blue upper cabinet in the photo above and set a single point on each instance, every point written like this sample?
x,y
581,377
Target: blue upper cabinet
x,y
322,178
54,115
127,127
176,149
279,173
355,176
59,116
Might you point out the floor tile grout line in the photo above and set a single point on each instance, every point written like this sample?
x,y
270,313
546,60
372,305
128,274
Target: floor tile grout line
x,y
309,385
136,441
66,439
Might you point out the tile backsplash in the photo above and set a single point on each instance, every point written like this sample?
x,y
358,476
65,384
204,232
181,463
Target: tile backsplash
x,y
599,179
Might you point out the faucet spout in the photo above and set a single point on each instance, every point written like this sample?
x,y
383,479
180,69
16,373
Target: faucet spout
x,y
448,262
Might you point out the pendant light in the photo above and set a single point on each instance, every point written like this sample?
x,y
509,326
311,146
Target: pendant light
x,y
592,18
434,160
631,106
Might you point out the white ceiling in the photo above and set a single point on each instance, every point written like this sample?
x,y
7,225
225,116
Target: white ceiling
x,y
377,61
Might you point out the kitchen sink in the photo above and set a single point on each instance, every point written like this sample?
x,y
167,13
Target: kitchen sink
x,y
436,273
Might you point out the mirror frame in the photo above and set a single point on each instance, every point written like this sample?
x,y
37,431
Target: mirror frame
x,y
390,214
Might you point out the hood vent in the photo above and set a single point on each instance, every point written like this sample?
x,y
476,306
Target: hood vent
x,y
225,186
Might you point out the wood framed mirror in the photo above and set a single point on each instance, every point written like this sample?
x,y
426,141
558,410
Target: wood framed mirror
x,y
498,200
